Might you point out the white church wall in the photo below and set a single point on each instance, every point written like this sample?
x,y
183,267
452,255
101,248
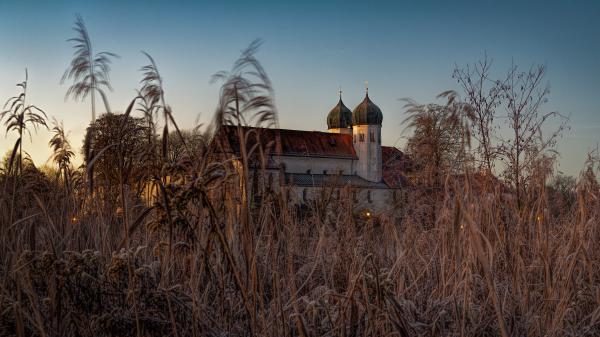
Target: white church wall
x,y
316,165
367,143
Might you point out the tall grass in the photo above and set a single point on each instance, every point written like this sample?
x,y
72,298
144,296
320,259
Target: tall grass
x,y
205,260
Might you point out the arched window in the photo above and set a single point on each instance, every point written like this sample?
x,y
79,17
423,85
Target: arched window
x,y
361,137
354,196
369,197
372,137
304,195
354,138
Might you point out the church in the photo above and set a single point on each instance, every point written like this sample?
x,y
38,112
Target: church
x,y
347,160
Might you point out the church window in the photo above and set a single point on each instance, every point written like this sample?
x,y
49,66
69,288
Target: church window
x,y
304,195
369,197
354,196
372,139
361,137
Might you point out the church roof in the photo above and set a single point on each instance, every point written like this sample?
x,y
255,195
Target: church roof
x,y
367,113
290,142
340,117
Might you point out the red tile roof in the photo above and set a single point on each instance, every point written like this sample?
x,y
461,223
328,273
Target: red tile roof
x,y
290,142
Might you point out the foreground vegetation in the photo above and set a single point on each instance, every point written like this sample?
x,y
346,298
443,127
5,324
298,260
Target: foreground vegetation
x,y
466,254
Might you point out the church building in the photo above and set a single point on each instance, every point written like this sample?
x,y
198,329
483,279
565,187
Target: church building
x,y
348,159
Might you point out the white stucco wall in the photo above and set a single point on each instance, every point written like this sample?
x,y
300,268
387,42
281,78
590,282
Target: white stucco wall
x,y
368,150
316,165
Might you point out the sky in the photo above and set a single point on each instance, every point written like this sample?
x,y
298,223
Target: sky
x,y
404,49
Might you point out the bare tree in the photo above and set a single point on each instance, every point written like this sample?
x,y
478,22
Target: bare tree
x,y
441,135
484,94
438,146
525,93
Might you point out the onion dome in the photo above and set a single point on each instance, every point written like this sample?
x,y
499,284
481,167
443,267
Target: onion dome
x,y
340,117
367,113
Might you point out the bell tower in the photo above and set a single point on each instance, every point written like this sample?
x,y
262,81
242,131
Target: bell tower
x,y
366,129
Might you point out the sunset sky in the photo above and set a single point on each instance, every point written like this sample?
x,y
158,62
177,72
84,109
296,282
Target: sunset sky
x,y
403,48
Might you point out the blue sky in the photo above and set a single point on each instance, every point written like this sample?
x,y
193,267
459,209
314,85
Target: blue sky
x,y
403,48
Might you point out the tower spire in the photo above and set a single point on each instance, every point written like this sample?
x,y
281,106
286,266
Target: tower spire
x,y
367,87
340,92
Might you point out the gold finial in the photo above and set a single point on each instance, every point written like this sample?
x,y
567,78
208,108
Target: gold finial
x,y
367,87
340,91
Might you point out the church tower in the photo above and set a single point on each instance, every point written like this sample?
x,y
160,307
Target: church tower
x,y
339,119
366,129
